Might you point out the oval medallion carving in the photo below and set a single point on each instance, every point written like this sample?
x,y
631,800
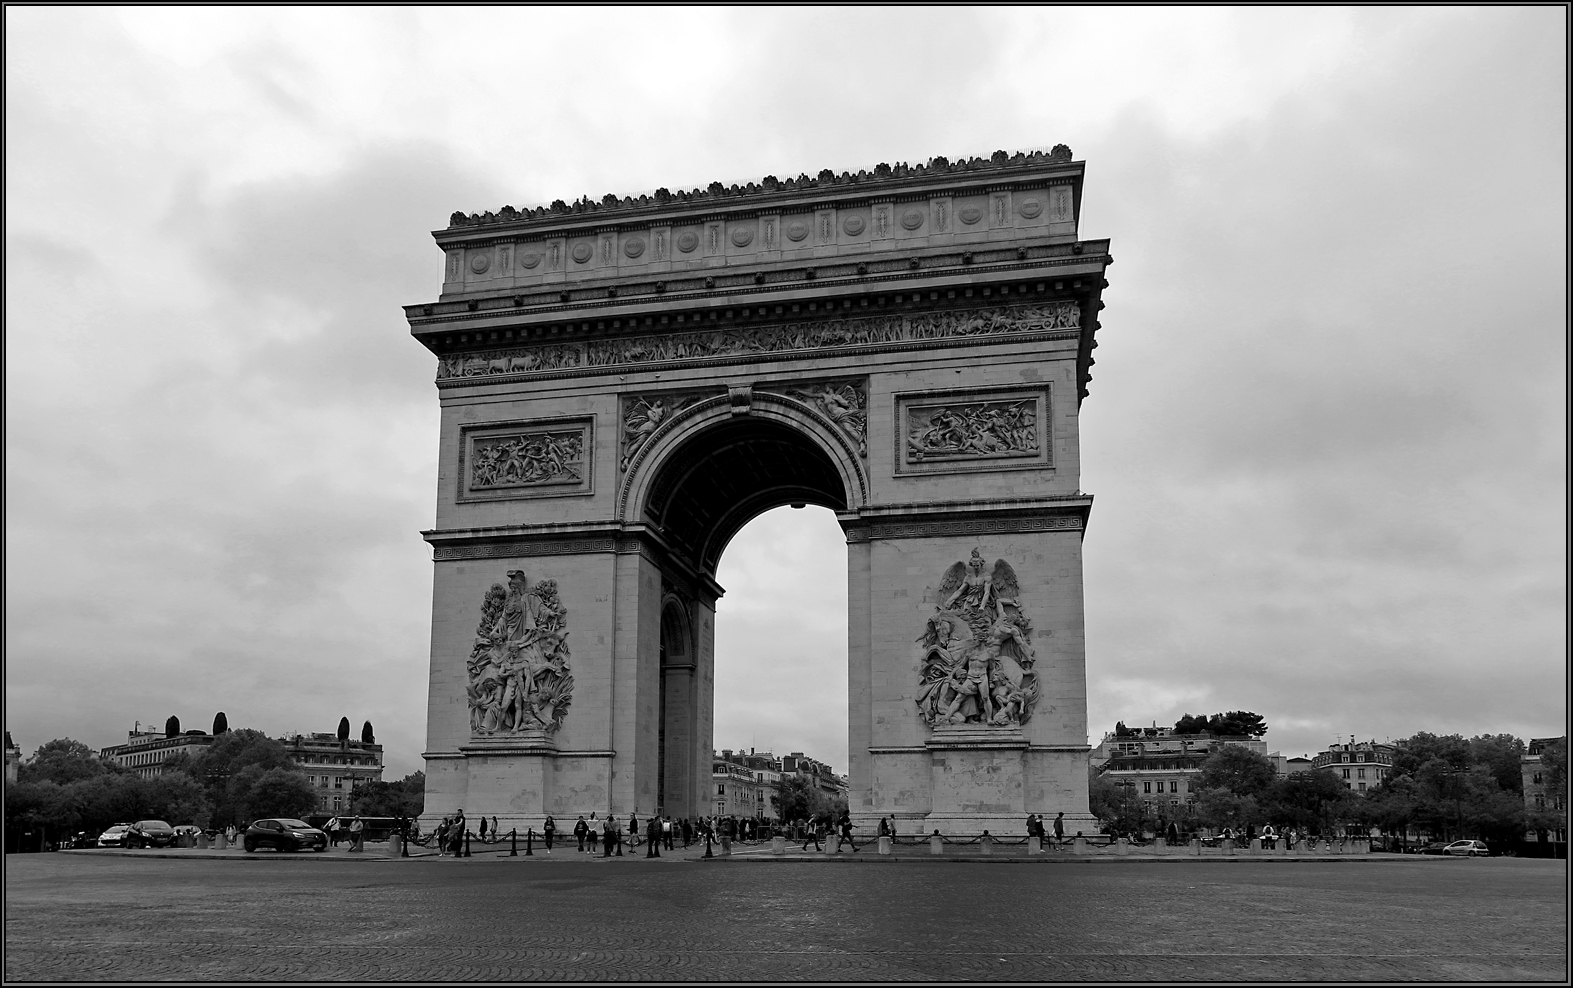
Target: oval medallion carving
x,y
852,226
479,263
742,236
582,252
911,220
1031,209
634,247
795,232
969,214
687,241
529,260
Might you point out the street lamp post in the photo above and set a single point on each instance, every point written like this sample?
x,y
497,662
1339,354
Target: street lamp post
x,y
1127,787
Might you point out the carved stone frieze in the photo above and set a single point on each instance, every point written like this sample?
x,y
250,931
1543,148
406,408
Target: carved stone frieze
x,y
643,414
778,338
529,459
984,429
843,402
519,681
542,458
975,655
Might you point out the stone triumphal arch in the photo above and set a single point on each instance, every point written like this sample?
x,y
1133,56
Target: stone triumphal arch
x,y
626,382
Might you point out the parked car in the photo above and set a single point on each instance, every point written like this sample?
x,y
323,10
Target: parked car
x,y
1435,847
284,834
1469,848
115,836
150,833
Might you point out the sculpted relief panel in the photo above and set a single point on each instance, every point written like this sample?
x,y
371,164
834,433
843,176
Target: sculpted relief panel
x,y
519,681
975,655
967,431
525,462
777,338
844,402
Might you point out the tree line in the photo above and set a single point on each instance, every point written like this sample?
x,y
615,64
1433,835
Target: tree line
x,y
1444,785
243,775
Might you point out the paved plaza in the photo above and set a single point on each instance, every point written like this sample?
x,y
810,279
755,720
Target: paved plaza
x,y
103,917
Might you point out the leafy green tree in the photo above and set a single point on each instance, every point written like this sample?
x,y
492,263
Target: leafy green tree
x,y
1316,801
1191,724
1105,799
1502,754
405,797
1554,765
1219,808
797,798
223,761
63,761
1237,770
1412,752
254,792
344,728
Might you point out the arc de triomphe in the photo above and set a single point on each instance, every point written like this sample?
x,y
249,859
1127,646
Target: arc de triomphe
x,y
625,383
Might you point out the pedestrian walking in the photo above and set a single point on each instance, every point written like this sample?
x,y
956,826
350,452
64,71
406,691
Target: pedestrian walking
x,y
580,829
813,835
1059,828
688,832
633,831
653,838
1034,829
550,829
666,833
1174,834
357,828
483,830
846,831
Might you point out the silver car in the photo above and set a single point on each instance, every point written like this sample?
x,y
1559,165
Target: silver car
x,y
1469,848
115,836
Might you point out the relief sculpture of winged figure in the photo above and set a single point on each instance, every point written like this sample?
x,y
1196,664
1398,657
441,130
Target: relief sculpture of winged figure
x,y
976,654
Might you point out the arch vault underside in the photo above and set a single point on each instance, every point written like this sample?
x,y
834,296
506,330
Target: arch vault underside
x,y
624,387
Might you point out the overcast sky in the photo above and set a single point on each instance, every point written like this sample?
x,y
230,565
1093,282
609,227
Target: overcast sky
x,y
1327,425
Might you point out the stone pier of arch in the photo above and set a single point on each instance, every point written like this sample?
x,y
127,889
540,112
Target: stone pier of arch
x,y
624,384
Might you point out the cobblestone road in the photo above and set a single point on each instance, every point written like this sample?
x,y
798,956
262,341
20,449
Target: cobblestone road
x,y
94,917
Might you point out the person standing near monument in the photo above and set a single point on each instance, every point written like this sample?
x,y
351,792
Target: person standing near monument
x,y
549,828
653,838
483,830
579,830
606,837
457,834
1059,828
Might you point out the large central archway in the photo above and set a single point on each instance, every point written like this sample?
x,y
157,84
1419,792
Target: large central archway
x,y
625,384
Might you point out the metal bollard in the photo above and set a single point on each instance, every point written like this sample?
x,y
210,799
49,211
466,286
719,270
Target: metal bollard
x,y
466,843
513,843
529,843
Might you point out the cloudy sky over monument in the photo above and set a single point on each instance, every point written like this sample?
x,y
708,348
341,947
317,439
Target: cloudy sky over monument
x,y
1326,428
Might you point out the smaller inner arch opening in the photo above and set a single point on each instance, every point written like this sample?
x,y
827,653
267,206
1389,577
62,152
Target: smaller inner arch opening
x,y
728,474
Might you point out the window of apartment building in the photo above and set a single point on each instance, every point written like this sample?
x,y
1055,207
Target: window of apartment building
x,y
338,781
1362,787
720,789
1346,773
1346,758
1147,787
1174,786
1361,773
1537,778
1360,758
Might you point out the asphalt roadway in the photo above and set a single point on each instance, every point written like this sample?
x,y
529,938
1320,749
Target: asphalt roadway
x,y
91,916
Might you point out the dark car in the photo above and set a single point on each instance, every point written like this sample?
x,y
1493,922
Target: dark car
x,y
150,833
284,834
1435,847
